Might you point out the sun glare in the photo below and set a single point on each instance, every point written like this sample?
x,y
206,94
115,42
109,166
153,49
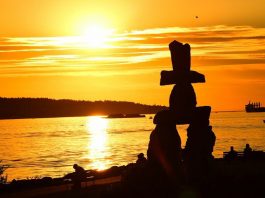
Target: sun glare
x,y
97,36
96,127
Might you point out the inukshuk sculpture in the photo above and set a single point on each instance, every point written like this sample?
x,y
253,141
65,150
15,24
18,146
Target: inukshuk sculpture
x,y
164,150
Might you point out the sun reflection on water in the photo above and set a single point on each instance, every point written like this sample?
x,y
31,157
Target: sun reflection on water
x,y
97,146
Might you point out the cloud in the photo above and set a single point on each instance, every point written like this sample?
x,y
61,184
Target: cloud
x,y
131,52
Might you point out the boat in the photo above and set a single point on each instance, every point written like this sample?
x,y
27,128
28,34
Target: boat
x,y
118,115
254,107
132,115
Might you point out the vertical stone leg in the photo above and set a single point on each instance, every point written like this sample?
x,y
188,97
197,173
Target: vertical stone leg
x,y
199,145
164,149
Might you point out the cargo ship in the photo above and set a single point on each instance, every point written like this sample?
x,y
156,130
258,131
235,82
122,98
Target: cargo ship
x,y
254,107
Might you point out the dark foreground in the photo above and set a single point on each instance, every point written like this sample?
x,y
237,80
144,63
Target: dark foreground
x,y
237,178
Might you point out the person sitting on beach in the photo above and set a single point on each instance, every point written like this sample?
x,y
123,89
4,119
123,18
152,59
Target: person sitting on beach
x,y
247,151
78,176
141,159
232,154
78,169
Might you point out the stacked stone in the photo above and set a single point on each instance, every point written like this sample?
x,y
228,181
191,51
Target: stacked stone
x,y
182,110
182,101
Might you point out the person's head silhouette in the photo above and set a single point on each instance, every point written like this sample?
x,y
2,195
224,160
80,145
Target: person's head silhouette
x,y
141,155
75,166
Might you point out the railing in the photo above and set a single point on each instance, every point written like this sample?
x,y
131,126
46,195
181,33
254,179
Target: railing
x,y
238,154
255,155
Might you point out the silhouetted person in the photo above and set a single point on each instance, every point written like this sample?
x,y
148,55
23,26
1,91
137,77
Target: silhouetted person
x,y
78,176
232,154
141,159
247,151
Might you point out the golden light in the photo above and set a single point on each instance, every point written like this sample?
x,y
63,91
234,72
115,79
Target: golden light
x,y
97,128
97,36
97,124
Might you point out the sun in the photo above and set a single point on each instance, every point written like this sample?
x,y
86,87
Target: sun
x,y
97,36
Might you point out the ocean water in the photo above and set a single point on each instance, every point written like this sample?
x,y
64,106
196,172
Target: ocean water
x,y
50,146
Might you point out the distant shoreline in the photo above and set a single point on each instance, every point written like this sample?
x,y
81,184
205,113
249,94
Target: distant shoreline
x,y
63,117
19,118
30,108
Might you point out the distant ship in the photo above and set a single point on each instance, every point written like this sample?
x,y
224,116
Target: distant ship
x,y
254,107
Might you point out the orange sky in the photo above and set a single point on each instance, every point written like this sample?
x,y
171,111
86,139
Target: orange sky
x,y
50,49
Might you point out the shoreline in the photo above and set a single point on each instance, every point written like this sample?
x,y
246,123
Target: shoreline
x,y
105,115
222,173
